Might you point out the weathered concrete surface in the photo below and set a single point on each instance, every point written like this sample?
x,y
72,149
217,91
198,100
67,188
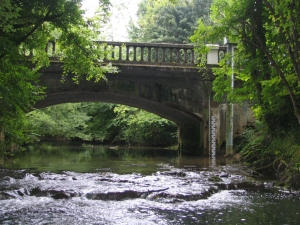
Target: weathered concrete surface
x,y
177,94
242,117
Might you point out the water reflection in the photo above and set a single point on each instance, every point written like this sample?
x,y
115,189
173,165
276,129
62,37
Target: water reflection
x,y
88,158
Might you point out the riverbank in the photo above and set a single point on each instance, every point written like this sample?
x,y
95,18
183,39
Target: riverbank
x,y
274,156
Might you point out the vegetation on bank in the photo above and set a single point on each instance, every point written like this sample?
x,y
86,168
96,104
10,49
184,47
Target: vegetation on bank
x,y
267,70
27,27
102,122
275,156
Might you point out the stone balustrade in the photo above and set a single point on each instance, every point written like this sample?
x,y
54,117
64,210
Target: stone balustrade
x,y
151,54
129,53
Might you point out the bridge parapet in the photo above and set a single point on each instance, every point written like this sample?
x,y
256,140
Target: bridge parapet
x,y
159,54
148,54
151,54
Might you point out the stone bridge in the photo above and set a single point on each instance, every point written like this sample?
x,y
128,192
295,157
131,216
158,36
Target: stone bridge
x,y
159,78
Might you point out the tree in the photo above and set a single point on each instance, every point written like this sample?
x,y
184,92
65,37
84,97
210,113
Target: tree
x,y
102,126
69,121
27,26
143,128
267,71
266,59
168,21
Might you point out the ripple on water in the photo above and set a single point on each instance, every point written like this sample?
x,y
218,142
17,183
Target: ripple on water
x,y
177,198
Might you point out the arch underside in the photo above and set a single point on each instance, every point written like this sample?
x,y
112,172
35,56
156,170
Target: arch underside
x,y
164,110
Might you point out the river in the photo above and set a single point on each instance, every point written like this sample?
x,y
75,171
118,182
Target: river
x,y
90,184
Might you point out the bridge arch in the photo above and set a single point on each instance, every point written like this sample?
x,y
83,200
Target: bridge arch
x,y
177,94
165,111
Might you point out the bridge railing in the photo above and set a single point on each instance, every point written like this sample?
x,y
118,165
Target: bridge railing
x,y
182,55
151,54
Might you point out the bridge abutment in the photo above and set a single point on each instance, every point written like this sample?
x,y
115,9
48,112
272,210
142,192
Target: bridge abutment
x,y
242,117
190,138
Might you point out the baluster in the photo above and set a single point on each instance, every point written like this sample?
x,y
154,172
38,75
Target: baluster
x,y
192,56
112,52
104,52
142,54
127,53
53,48
156,54
149,54
134,54
46,48
177,54
171,55
185,55
120,52
163,55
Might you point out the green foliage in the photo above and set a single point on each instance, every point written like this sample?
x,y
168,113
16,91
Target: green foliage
x,y
265,59
102,125
277,157
26,28
168,21
267,74
143,128
102,122
65,120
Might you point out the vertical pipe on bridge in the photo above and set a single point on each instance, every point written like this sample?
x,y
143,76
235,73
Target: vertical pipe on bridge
x,y
229,105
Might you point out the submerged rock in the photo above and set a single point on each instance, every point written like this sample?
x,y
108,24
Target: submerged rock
x,y
56,194
175,185
224,174
122,195
215,179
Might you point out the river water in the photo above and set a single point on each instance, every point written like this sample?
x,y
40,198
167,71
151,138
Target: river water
x,y
89,184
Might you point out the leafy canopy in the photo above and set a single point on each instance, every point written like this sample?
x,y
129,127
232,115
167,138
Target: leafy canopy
x,y
104,122
27,26
266,60
168,21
